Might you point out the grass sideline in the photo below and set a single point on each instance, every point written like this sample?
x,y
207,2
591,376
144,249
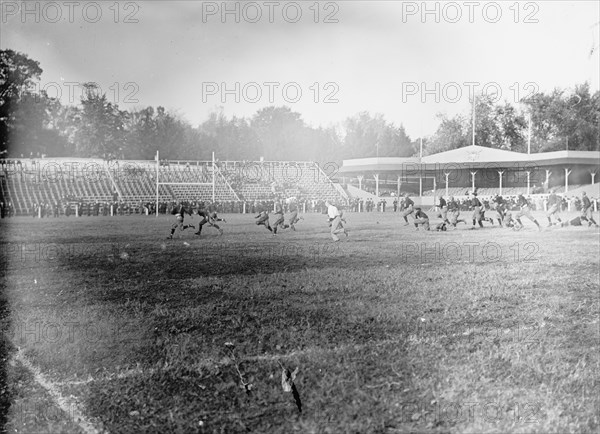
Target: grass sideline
x,y
393,330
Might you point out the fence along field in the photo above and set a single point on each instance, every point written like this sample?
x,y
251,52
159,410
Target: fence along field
x,y
133,333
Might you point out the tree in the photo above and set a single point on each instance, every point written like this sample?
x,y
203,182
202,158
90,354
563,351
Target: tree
x,y
368,136
565,120
100,127
18,75
452,133
282,134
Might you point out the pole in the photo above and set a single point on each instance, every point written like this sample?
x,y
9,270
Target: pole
x,y
529,137
447,174
213,180
473,132
157,160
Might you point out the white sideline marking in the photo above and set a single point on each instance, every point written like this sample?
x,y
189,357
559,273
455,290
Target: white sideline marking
x,y
69,406
211,362
264,357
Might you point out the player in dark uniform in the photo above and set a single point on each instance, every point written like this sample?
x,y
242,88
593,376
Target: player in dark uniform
x,y
443,210
553,205
407,208
213,218
263,219
454,212
279,219
500,208
476,206
586,210
208,217
573,222
524,212
293,218
421,219
485,206
179,212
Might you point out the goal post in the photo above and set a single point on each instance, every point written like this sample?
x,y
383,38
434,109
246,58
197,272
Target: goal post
x,y
159,183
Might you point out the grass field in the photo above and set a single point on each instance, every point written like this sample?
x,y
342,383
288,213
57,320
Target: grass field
x,y
109,326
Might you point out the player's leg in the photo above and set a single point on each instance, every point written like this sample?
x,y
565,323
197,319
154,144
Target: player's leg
x,y
174,227
551,211
452,218
216,226
277,223
184,227
483,218
406,213
200,224
337,228
422,222
557,215
499,216
445,215
334,225
264,221
532,218
178,223
293,220
588,216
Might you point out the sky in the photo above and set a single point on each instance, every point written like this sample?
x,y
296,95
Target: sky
x,y
409,61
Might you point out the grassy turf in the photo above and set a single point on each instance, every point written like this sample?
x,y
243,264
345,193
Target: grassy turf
x,y
394,330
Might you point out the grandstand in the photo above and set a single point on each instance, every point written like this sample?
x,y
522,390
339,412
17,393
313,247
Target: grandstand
x,y
490,171
26,182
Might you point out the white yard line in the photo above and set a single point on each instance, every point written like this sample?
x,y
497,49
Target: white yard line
x,y
67,405
212,362
269,357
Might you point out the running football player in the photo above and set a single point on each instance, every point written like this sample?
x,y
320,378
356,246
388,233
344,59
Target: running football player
x,y
179,212
335,221
553,204
525,211
407,208
586,210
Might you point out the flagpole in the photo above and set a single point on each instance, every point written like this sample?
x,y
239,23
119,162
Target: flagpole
x,y
473,110
529,137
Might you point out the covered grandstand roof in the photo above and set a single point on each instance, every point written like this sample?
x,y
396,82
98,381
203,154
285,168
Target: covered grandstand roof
x,y
470,156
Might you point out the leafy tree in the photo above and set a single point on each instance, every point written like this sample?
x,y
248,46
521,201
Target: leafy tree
x,y
100,127
565,120
282,133
452,133
368,136
18,75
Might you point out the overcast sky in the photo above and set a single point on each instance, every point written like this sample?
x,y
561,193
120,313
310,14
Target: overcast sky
x,y
371,56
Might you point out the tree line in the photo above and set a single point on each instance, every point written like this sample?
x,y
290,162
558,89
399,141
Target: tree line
x,y
31,122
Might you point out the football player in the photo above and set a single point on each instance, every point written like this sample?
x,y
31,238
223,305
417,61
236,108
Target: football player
x,y
553,204
525,211
179,212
